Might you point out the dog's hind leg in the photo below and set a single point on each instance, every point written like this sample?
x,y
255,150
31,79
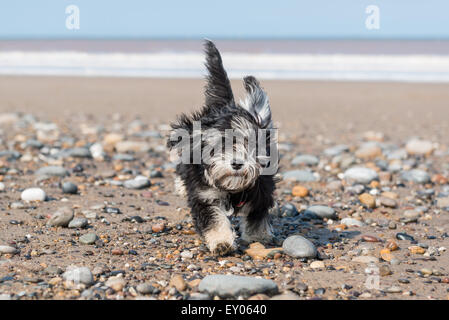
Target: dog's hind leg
x,y
213,224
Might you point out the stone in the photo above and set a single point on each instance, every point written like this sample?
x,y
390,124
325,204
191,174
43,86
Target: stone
x,y
385,270
299,247
79,275
321,211
8,250
178,282
386,255
139,182
232,286
419,147
134,146
88,238
415,175
299,176
368,200
33,194
388,202
416,250
365,259
411,215
350,222
360,175
78,223
2,187
317,265
257,251
69,188
300,191
443,202
368,151
61,218
145,288
52,171
288,210
117,283
336,150
305,159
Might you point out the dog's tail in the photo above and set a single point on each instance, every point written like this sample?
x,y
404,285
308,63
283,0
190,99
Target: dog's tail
x,y
218,88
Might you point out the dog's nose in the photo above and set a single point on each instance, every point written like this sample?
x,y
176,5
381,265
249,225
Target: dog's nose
x,y
236,165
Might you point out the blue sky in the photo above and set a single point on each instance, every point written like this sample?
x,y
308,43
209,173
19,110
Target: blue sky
x,y
224,19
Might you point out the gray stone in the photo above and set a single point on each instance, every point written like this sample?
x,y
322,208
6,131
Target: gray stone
x,y
299,175
5,296
78,223
75,153
33,194
336,150
230,286
419,147
321,211
299,247
88,238
305,159
79,275
69,188
2,186
352,222
8,250
139,182
365,259
360,175
52,171
61,218
415,175
145,288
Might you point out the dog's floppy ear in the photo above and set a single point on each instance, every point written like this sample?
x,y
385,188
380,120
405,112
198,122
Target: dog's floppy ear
x,y
256,102
218,88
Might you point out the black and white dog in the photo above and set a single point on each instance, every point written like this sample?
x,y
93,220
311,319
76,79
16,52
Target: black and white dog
x,y
238,177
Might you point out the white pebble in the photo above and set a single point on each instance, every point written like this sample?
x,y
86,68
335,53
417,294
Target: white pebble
x,y
33,194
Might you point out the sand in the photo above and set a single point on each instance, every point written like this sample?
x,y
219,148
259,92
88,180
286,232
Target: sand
x,y
311,116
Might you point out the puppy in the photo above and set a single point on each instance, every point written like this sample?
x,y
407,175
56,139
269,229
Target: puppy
x,y
228,165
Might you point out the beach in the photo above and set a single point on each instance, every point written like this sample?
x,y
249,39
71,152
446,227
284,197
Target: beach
x,y
143,242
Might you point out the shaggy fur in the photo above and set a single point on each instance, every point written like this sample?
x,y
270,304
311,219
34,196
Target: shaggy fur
x,y
231,183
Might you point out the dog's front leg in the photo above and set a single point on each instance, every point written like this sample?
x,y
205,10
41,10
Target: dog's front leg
x,y
213,224
255,225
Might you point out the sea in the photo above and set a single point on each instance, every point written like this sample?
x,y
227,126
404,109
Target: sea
x,y
329,60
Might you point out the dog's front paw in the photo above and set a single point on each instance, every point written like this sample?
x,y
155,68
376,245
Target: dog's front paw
x,y
261,232
220,241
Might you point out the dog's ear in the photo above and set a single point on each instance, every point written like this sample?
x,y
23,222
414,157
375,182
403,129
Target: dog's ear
x,y
256,102
218,88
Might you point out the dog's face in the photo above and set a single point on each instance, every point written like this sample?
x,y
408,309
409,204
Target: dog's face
x,y
232,145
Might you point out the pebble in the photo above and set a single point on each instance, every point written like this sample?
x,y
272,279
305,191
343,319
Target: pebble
x,y
145,288
386,255
352,222
419,147
404,236
365,259
158,227
368,200
321,211
33,194
317,265
117,283
78,223
385,270
178,282
368,151
411,215
299,176
415,175
232,286
257,251
288,210
52,171
134,146
416,250
139,182
305,159
443,203
300,191
8,250
2,186
61,218
393,289
88,238
299,247
69,188
186,254
360,175
388,202
336,150
79,275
